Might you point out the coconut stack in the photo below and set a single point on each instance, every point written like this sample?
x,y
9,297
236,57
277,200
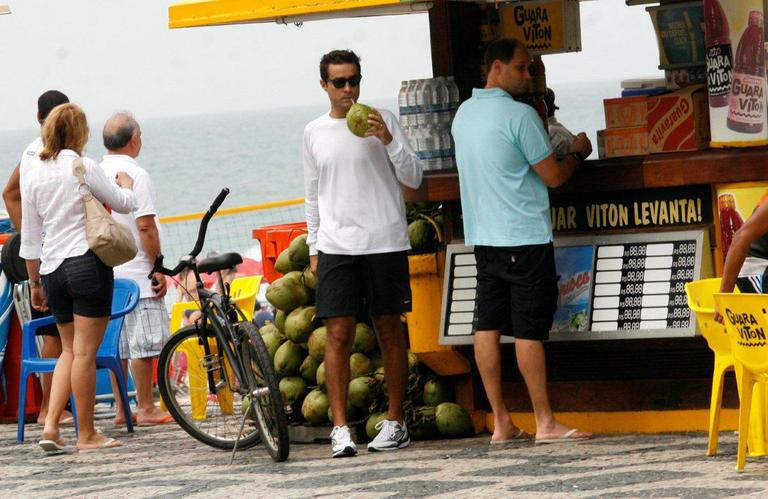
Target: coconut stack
x,y
296,342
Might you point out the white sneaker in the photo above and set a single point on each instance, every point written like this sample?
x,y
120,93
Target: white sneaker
x,y
341,442
392,435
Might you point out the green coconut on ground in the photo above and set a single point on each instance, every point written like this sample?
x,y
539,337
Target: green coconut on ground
x,y
315,407
316,343
288,359
452,420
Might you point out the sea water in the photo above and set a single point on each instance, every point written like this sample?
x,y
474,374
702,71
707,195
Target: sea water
x,y
257,154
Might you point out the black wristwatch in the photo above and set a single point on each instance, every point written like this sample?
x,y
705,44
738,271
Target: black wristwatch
x,y
577,156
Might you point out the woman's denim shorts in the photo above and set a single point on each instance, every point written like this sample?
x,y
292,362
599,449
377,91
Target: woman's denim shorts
x,y
81,285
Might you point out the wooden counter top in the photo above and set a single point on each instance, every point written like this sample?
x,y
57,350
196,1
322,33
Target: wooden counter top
x,y
710,166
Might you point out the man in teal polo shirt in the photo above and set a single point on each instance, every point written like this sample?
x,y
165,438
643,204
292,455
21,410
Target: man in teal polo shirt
x,y
505,165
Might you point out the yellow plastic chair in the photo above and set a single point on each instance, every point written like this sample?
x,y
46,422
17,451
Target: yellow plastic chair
x,y
701,300
243,290
746,319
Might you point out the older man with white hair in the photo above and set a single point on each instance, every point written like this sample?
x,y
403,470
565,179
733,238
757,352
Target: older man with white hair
x,y
146,329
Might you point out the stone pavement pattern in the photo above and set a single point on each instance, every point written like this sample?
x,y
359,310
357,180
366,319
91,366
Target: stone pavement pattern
x,y
165,462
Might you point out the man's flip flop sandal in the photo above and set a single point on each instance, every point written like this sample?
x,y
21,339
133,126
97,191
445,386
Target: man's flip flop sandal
x,y
566,437
521,436
110,443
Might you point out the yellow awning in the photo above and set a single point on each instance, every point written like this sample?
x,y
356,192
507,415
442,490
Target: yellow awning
x,y
216,12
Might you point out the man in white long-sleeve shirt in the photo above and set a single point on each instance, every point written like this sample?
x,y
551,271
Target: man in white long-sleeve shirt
x,y
358,241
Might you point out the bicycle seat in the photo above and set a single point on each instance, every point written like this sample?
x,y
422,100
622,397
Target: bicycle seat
x,y
219,262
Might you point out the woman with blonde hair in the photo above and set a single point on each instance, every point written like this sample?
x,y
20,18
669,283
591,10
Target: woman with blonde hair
x,y
63,273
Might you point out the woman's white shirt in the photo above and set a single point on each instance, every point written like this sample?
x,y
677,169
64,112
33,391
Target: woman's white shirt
x,y
52,210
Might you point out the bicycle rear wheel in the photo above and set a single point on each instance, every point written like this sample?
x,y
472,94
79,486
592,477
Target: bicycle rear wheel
x,y
182,377
269,411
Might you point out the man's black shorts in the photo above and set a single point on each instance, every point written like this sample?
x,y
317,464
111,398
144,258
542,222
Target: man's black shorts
x,y
347,283
516,290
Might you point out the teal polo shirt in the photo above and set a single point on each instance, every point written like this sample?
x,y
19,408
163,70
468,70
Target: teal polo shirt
x,y
504,201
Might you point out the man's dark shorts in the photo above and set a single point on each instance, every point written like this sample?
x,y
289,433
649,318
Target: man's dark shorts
x,y
347,283
81,285
516,290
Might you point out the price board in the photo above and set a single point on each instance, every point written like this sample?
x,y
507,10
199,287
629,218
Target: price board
x,y
610,287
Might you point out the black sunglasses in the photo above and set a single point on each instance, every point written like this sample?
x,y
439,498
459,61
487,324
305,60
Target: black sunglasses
x,y
342,82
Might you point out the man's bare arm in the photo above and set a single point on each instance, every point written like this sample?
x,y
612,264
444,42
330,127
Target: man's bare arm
x,y
12,198
555,172
150,241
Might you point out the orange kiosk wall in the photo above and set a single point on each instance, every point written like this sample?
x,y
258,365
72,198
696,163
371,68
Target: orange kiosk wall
x,y
11,370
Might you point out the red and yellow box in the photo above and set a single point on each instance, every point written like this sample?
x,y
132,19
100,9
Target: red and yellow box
x,y
678,121
630,141
625,112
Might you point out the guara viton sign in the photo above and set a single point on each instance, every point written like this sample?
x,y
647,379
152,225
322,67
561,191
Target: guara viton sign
x,y
540,25
632,209
750,332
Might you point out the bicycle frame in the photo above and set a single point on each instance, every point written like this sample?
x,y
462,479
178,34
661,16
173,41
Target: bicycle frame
x,y
215,307
215,310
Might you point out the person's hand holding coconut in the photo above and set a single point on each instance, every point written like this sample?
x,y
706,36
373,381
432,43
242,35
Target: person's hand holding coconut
x,y
365,121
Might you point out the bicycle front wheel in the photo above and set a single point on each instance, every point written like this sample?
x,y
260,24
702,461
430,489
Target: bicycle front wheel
x,y
210,416
265,393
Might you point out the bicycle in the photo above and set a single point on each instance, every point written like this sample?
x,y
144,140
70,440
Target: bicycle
x,y
216,374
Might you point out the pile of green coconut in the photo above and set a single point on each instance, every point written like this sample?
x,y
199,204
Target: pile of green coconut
x,y
296,342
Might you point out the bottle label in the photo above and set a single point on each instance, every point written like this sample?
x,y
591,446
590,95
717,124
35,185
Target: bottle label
x,y
747,102
719,70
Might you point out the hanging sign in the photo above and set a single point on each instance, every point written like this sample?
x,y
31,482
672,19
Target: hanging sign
x,y
545,27
632,209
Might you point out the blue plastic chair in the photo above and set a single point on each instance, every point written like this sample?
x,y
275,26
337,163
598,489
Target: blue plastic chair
x,y
125,297
6,310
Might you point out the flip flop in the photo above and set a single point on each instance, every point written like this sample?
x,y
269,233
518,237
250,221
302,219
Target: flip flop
x,y
55,446
521,436
566,437
165,419
109,443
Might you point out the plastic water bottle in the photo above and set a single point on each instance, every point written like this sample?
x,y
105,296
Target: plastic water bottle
x,y
410,95
453,92
441,94
423,101
428,147
402,100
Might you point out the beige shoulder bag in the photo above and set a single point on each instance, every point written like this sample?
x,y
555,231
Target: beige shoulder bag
x,y
112,242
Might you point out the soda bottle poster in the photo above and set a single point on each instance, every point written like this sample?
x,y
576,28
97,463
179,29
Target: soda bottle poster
x,y
734,42
574,269
735,203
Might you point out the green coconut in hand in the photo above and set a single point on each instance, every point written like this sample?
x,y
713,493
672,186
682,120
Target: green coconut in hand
x,y
357,119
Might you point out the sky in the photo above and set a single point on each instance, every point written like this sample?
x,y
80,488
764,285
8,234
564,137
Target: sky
x,y
110,55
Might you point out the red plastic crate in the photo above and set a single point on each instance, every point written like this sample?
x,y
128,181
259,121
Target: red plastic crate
x,y
273,240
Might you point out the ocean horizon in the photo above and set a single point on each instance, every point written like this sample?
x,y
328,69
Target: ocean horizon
x,y
257,154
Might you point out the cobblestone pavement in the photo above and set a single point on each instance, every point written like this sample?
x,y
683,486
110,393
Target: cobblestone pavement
x,y
165,462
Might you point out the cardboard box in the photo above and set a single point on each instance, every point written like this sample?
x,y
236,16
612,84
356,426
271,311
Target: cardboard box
x,y
601,144
679,120
625,112
679,33
619,142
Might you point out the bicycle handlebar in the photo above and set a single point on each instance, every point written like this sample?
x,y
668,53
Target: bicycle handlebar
x,y
158,266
